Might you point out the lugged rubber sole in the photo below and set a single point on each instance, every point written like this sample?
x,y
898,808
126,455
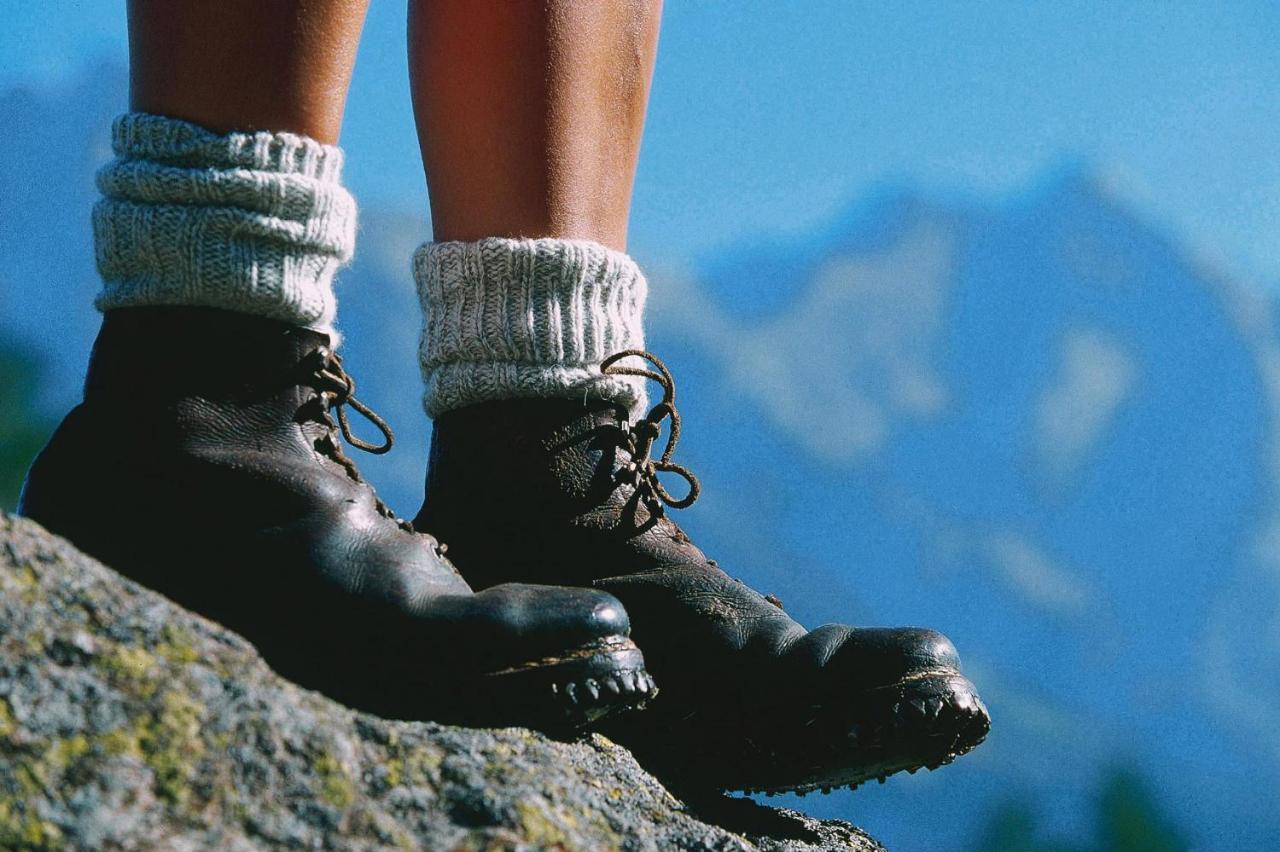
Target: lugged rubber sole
x,y
921,722
583,685
925,720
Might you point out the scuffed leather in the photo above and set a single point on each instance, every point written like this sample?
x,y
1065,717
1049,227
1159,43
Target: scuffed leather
x,y
192,466
540,477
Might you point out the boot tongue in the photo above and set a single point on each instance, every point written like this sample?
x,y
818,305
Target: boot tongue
x,y
173,352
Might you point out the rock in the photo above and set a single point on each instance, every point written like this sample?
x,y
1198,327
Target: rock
x,y
128,722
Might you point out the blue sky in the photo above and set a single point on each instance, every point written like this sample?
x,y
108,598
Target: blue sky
x,y
768,117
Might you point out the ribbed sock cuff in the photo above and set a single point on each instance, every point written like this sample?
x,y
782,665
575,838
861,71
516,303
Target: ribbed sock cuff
x,y
514,318
250,222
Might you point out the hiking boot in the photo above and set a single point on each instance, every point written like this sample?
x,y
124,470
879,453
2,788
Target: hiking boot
x,y
750,700
204,462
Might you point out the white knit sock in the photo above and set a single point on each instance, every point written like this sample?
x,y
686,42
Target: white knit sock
x,y
250,222
512,318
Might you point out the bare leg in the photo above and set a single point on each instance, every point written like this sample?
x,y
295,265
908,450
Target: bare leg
x,y
530,114
278,65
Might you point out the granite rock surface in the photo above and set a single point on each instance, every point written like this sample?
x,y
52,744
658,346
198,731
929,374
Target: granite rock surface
x,y
127,722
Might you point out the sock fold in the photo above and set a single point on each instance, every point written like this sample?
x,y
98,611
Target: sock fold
x,y
517,318
250,222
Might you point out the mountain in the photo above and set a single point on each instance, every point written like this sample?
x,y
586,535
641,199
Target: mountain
x,y
1040,426
1037,423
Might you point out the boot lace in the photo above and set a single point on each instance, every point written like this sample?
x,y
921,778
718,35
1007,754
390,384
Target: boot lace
x,y
639,437
337,390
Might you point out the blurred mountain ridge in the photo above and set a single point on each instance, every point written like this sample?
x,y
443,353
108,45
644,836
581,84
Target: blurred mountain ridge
x,y
1050,430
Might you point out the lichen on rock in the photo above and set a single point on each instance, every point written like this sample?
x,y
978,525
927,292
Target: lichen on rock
x,y
126,721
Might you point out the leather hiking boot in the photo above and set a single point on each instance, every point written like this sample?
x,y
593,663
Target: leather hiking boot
x,y
750,699
205,464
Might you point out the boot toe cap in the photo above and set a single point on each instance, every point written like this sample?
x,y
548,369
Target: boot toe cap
x,y
589,614
925,649
872,657
608,618
552,616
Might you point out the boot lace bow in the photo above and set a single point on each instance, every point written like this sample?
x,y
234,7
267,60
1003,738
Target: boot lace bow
x,y
337,390
642,471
